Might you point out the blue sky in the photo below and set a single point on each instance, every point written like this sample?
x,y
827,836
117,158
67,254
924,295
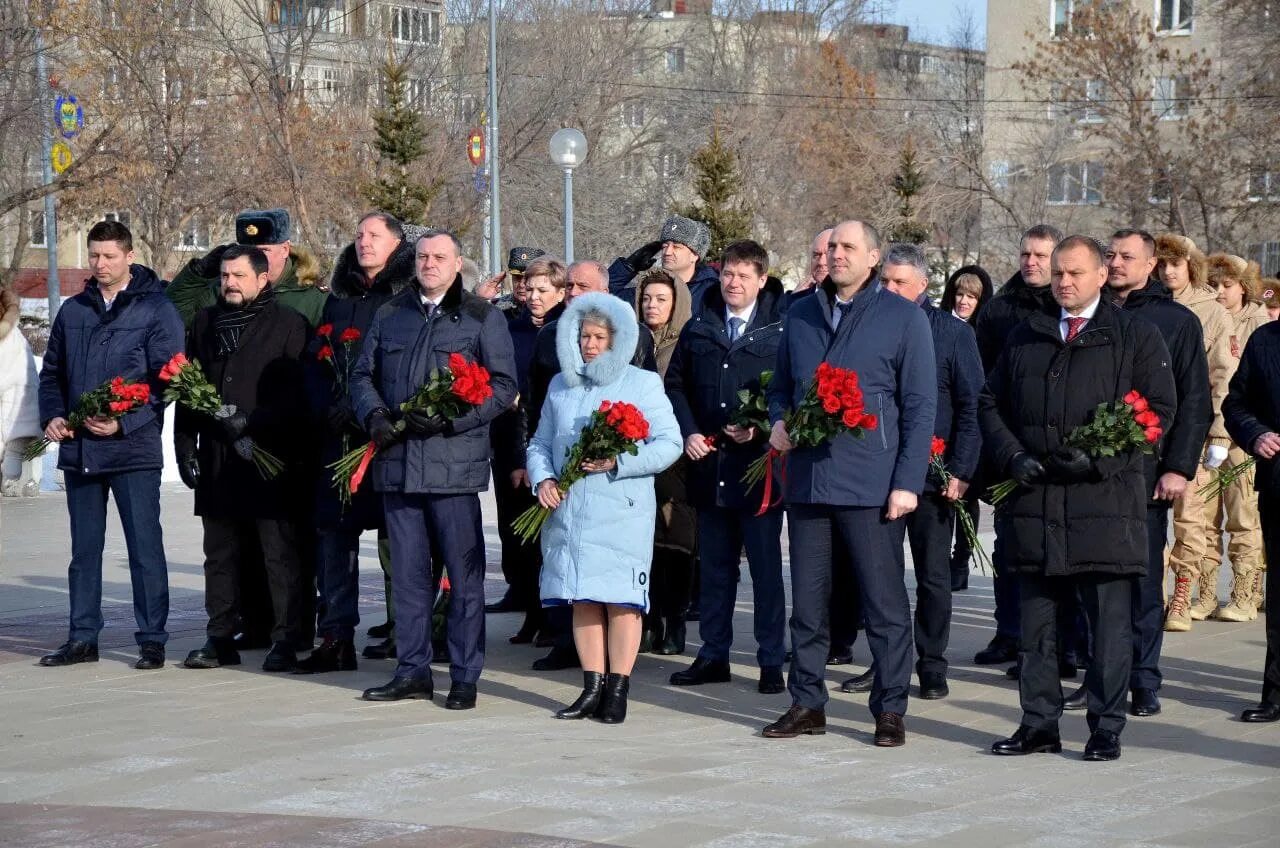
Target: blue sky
x,y
932,20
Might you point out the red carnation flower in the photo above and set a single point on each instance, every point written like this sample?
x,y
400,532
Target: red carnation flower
x,y
937,447
325,353
349,335
324,330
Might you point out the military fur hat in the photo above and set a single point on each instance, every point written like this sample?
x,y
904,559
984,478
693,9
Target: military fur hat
x,y
692,234
262,226
1175,247
520,257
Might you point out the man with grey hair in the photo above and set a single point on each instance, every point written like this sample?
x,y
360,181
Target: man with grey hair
x,y
905,272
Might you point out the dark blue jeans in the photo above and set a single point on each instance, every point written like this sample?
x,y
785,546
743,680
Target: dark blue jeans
x,y
721,536
137,497
338,580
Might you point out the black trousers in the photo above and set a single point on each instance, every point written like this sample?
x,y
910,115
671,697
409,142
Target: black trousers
x,y
846,602
670,583
874,545
929,530
228,543
1269,509
1106,601
520,562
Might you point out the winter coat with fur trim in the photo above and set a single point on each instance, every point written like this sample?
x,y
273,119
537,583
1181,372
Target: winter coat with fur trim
x,y
1216,324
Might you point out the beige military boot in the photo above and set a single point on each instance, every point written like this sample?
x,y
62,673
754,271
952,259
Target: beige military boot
x,y
1243,605
1177,619
1206,602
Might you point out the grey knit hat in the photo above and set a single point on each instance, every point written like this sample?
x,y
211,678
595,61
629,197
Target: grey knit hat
x,y
692,234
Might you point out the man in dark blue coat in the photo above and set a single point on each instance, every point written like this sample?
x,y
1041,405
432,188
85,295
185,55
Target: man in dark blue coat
x,y
729,343
1252,415
121,325
682,246
854,491
932,525
1026,293
431,470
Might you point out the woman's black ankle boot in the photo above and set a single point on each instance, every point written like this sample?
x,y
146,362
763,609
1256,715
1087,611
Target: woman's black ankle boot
x,y
613,701
589,700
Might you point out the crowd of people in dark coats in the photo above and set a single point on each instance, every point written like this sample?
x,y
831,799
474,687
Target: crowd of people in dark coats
x,y
983,387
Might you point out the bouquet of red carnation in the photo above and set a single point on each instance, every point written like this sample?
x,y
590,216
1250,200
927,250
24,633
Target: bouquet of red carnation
x,y
112,399
1224,478
832,405
937,448
614,429
188,386
347,338
1116,427
448,393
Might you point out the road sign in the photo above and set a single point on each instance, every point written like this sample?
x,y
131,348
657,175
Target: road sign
x,y
475,147
60,157
69,114
481,181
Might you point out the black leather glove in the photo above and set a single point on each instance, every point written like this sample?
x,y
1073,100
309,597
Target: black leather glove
x,y
340,419
382,430
421,424
642,259
189,470
1026,469
1069,465
234,425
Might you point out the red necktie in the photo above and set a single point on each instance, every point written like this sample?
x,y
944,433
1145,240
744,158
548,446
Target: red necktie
x,y
1073,327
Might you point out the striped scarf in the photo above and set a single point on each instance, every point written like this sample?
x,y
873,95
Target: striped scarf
x,y
231,321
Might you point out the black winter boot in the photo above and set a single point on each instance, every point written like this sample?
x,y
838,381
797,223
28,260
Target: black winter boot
x,y
592,687
613,700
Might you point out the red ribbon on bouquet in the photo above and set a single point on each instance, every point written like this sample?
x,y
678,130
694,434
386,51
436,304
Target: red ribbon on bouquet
x,y
767,502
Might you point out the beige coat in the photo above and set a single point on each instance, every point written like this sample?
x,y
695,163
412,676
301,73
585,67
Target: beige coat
x,y
1217,327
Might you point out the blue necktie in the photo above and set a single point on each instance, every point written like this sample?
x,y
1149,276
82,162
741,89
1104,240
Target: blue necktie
x,y
845,309
735,329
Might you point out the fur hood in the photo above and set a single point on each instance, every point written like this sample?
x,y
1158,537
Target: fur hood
x,y
9,303
306,267
611,364
1175,247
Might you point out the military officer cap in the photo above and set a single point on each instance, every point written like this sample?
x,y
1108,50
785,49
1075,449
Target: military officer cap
x,y
520,257
692,234
262,226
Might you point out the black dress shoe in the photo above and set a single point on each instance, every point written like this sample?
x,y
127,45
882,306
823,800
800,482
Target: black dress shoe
x,y
1002,649
771,682
1265,711
528,632
508,603
702,671
252,641
332,655
384,650
150,656
462,696
612,708
839,658
1028,741
70,653
401,688
933,686
1103,746
382,631
281,657
796,721
673,638
1013,672
861,682
1077,700
1144,702
589,700
558,659
891,731
214,653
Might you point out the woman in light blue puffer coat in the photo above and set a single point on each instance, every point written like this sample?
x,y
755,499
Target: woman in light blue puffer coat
x,y
597,545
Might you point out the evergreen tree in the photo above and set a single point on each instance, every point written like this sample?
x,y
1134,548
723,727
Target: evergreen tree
x,y
400,134
908,182
718,185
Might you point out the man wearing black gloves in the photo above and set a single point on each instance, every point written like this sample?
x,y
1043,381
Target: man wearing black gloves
x,y
1075,524
430,475
250,347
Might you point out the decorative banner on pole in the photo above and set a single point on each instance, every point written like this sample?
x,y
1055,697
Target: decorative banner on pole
x,y
60,157
69,115
475,147
481,181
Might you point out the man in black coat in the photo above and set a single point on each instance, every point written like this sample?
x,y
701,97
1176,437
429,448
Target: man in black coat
x,y
1252,415
1130,261
727,345
250,348
932,525
1026,293
1076,523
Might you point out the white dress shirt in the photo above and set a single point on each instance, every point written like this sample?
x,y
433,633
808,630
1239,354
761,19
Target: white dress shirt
x,y
1088,313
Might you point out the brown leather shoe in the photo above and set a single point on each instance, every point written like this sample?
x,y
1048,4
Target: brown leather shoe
x,y
890,731
795,721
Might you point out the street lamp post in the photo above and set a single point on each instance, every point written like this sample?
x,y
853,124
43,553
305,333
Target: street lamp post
x,y
568,148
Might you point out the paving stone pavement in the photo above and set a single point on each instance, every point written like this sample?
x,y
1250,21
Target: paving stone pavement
x,y
102,755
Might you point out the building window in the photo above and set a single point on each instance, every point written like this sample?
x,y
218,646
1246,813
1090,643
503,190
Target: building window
x,y
414,26
1063,13
1161,189
37,235
633,114
999,174
1172,98
1173,16
1267,255
1264,184
668,165
1076,183
675,60
1080,101
193,235
117,217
